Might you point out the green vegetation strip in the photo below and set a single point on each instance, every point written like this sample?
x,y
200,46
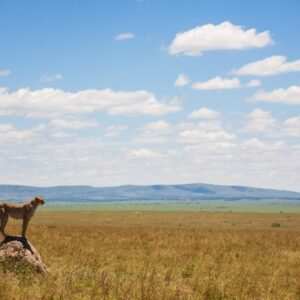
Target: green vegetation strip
x,y
263,206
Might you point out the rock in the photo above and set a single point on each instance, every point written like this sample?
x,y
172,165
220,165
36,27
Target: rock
x,y
18,251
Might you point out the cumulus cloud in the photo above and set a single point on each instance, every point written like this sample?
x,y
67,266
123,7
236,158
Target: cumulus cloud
x,y
144,153
49,102
8,133
61,135
217,83
155,132
197,135
253,83
209,131
257,144
73,123
182,80
160,127
289,96
291,127
115,130
4,72
276,64
206,152
51,78
204,113
260,121
124,36
224,36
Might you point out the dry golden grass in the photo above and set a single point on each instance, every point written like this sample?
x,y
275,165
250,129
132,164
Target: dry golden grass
x,y
153,255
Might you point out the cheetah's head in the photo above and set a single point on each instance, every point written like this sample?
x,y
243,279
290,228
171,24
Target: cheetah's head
x,y
39,200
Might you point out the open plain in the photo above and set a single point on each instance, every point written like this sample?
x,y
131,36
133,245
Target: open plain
x,y
160,255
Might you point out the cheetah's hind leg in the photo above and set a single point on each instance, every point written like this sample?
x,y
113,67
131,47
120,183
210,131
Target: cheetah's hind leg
x,y
3,222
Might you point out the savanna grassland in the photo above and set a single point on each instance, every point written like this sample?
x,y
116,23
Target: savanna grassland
x,y
160,255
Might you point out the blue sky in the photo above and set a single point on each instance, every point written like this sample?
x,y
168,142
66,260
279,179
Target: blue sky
x,y
143,92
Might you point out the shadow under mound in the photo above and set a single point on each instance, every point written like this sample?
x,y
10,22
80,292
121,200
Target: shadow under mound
x,y
17,254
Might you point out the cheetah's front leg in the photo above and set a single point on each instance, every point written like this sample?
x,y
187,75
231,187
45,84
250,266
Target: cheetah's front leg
x,y
25,224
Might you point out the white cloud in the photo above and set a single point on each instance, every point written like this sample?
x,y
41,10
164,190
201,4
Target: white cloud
x,y
257,144
225,36
291,127
73,123
258,114
209,131
217,83
182,80
269,66
155,132
197,135
48,102
289,96
115,130
124,36
209,154
61,135
4,72
260,121
51,78
8,133
144,153
158,128
204,113
253,83
254,143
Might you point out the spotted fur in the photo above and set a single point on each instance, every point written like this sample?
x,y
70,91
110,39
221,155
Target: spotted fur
x,y
23,211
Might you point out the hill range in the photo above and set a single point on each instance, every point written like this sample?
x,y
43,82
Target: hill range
x,y
195,191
